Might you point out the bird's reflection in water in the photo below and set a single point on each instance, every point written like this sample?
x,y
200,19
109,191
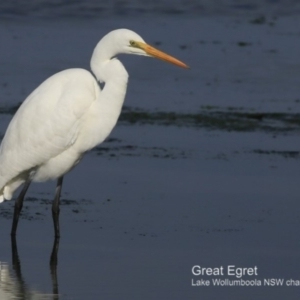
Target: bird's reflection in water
x,y
13,284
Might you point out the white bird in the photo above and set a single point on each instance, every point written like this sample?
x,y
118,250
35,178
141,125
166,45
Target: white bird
x,y
67,115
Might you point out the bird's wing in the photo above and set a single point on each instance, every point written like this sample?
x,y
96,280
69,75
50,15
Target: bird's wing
x,y
47,123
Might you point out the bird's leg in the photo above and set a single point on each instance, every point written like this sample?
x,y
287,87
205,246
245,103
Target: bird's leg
x,y
18,207
16,263
53,268
55,207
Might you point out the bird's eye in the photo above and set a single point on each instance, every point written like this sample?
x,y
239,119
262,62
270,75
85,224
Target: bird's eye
x,y
132,43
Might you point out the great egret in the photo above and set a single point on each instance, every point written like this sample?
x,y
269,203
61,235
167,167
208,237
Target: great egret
x,y
67,115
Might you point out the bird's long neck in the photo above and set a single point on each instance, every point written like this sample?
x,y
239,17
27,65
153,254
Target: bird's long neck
x,y
103,64
115,77
113,74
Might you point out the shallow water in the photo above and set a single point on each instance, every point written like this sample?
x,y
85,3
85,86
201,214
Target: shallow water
x,y
202,169
100,8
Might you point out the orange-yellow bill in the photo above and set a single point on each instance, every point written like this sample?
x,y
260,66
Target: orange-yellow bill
x,y
161,55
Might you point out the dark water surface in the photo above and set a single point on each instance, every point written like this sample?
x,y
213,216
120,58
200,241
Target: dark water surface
x,y
96,9
202,169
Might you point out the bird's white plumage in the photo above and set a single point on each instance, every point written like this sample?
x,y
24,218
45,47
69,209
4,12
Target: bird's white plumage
x,y
46,126
68,114
65,116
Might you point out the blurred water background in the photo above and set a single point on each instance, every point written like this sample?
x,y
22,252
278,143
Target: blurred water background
x,y
98,8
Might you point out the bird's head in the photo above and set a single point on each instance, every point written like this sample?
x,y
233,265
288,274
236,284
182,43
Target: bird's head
x,y
128,42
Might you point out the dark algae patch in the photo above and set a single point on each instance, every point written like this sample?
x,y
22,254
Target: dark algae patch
x,y
208,117
135,151
38,208
216,119
285,154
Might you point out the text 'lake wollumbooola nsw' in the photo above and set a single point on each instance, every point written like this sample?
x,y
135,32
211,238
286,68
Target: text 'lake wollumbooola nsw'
x,y
237,276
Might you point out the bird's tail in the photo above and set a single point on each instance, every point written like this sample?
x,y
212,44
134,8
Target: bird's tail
x,y
2,187
7,192
2,196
